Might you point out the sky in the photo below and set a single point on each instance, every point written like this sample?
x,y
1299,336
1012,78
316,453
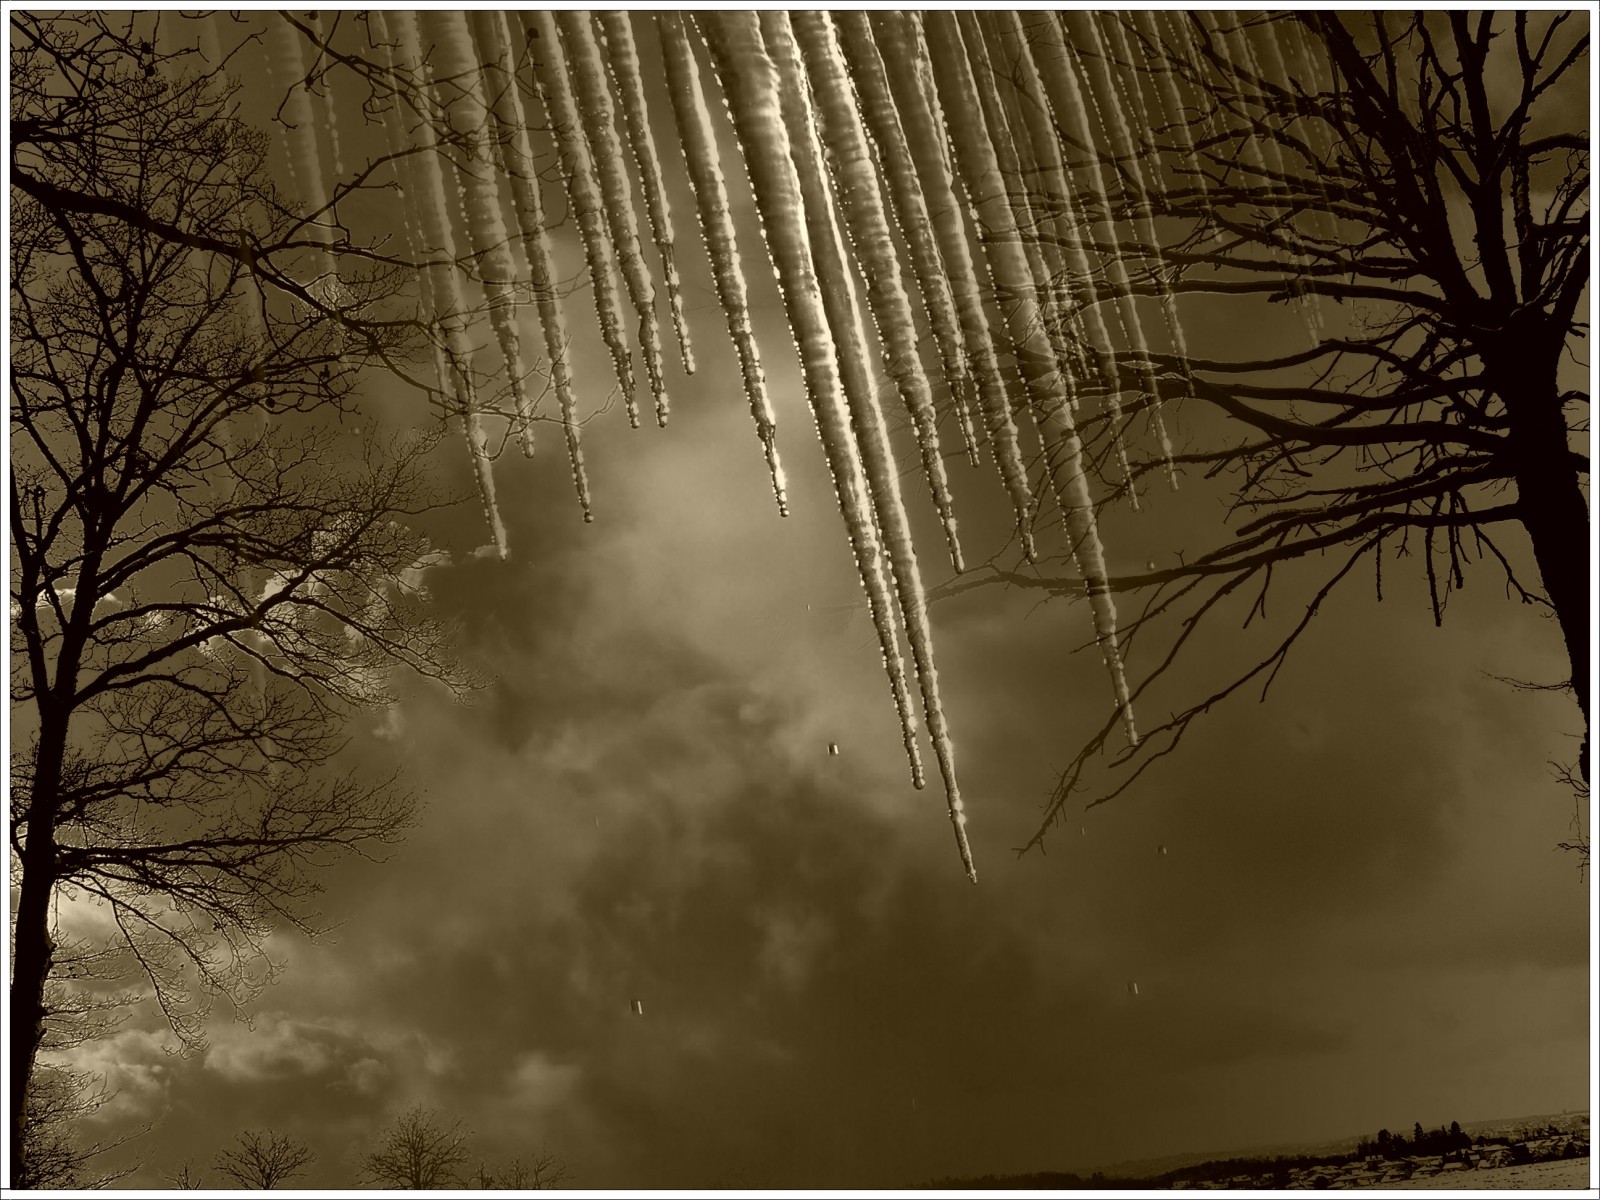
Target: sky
x,y
1343,908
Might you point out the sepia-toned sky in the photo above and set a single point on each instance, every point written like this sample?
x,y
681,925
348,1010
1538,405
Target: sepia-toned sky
x,y
1360,918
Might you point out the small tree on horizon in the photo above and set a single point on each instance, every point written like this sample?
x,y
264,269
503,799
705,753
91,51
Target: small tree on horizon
x,y
262,1159
416,1152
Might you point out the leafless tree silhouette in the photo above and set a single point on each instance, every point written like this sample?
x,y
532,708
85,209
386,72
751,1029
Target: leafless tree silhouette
x,y
57,1155
264,1158
1415,187
209,570
541,1171
416,1152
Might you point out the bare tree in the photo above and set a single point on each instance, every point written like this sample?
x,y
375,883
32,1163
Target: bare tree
x,y
56,1155
1415,188
416,1152
184,1177
541,1171
263,1158
209,571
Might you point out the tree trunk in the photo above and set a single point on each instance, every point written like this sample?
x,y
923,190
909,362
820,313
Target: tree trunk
x,y
1556,517
32,947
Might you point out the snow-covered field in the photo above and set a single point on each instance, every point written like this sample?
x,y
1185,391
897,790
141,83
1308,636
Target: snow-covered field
x,y
1562,1173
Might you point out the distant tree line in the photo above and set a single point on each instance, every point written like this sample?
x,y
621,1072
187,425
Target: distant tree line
x,y
416,1151
1444,1141
1439,1141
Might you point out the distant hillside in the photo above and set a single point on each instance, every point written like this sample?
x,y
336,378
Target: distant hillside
x,y
1151,1168
1156,1172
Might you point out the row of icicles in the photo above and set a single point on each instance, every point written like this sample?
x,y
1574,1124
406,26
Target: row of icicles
x,y
856,129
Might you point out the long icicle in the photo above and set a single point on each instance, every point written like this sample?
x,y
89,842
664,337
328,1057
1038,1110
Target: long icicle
x,y
1246,57
405,172
750,86
908,206
922,134
1072,110
1041,373
405,175
1002,147
1318,141
1011,173
1103,100
1278,72
623,56
699,139
450,309
288,70
1233,49
1131,92
1167,95
583,196
500,85
866,417
600,124
856,184
324,97
1055,185
466,113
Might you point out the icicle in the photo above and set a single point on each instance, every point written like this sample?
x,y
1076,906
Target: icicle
x,y
624,59
909,207
583,196
324,97
494,38
1041,373
449,309
1131,93
288,71
1058,72
1278,70
1206,107
866,418
1234,47
599,123
1042,141
1053,306
716,228
923,142
856,184
1123,147
1317,137
1034,107
405,178
998,131
750,86
456,59
1171,103
1001,148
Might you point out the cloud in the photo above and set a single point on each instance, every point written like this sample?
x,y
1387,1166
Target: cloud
x,y
275,1049
137,1068
791,944
536,1084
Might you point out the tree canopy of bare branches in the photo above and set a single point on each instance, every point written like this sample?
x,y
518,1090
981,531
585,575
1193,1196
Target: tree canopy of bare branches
x,y
1414,188
209,572
416,1152
261,1159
